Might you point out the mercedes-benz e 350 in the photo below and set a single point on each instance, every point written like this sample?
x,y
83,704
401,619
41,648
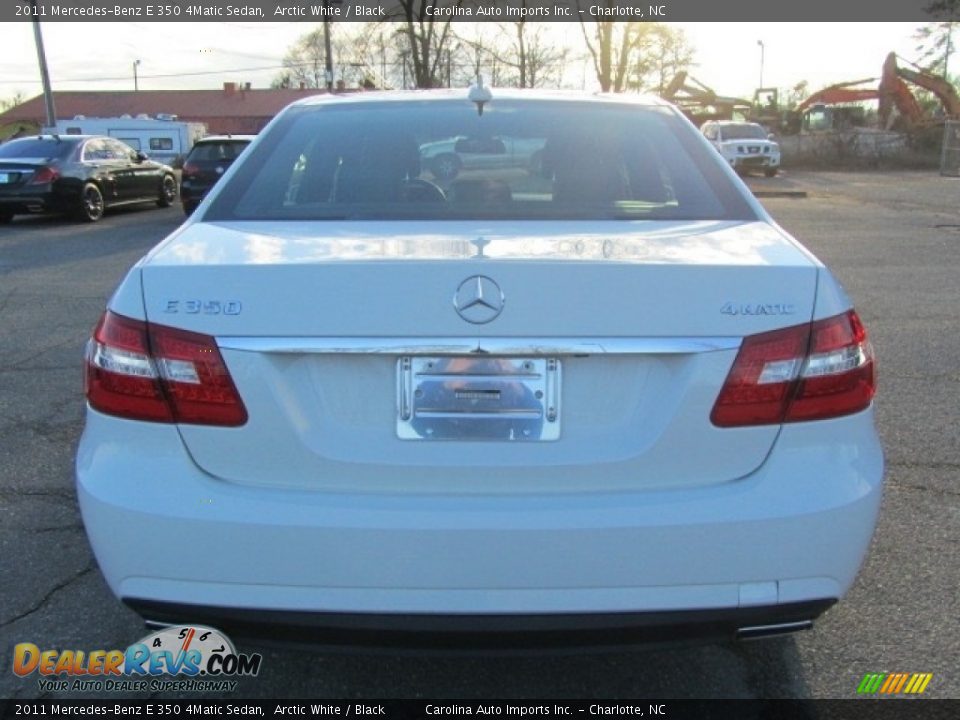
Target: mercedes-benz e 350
x,y
602,397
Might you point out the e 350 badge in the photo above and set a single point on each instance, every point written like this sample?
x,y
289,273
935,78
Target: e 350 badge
x,y
199,657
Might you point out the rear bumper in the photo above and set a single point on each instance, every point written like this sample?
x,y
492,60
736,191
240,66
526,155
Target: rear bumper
x,y
23,203
170,538
193,193
487,632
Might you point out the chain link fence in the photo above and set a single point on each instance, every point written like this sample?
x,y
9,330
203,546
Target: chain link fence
x,y
950,157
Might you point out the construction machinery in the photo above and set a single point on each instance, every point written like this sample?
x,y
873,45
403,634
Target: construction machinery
x,y
700,103
940,87
833,107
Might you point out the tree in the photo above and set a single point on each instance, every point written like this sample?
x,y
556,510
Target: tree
x,y
935,46
305,62
797,94
944,8
635,55
427,35
611,45
354,53
518,54
535,60
11,102
661,51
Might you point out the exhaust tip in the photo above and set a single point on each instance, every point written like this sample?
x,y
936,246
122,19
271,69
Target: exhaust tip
x,y
756,632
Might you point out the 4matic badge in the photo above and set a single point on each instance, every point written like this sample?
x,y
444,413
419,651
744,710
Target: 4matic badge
x,y
732,308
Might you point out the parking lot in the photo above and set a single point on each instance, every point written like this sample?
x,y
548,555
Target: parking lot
x,y
893,240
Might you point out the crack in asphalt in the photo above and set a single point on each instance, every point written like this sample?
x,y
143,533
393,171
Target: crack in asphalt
x,y
42,351
56,528
6,299
6,493
951,376
921,488
43,426
71,366
49,596
911,465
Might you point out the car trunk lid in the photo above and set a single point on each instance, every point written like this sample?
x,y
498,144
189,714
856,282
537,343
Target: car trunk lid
x,y
635,324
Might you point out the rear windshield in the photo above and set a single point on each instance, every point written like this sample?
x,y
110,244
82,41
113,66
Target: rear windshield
x,y
37,148
216,151
444,160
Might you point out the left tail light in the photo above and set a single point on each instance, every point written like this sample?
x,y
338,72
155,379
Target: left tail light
x,y
44,175
144,371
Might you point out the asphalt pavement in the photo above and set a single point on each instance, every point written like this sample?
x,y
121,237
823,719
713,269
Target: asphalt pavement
x,y
892,239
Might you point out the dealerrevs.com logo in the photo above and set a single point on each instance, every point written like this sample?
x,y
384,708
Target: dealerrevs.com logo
x,y
179,658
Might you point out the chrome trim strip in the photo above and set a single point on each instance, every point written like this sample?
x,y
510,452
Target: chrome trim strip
x,y
492,345
764,631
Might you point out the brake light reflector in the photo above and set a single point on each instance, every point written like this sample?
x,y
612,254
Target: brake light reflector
x,y
807,372
44,175
196,380
839,376
151,372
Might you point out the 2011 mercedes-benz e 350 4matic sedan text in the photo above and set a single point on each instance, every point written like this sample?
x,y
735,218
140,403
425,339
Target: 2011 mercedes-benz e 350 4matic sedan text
x,y
602,397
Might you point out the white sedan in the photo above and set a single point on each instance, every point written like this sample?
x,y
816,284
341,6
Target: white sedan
x,y
607,401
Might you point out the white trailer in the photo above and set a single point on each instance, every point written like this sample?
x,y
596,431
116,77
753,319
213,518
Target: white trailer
x,y
163,138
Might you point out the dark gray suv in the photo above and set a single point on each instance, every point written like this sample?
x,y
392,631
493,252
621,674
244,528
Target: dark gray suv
x,y
206,163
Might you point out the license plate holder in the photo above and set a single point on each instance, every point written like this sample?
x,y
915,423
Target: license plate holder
x,y
509,399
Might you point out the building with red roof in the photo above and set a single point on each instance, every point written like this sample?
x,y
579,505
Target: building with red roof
x,y
234,109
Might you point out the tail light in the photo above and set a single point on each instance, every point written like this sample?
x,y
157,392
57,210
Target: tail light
x,y
807,372
44,176
144,371
189,170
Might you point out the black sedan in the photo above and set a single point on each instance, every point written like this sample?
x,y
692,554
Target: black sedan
x,y
207,161
80,175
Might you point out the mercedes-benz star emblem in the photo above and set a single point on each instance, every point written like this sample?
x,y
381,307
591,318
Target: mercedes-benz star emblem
x,y
478,299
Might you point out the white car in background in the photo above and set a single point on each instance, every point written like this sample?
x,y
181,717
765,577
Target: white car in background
x,y
604,402
746,146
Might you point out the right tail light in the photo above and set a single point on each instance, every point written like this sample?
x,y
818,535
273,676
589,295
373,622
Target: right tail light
x,y
814,371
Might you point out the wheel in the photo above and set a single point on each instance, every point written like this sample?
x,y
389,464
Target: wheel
x,y
168,191
445,166
770,172
91,203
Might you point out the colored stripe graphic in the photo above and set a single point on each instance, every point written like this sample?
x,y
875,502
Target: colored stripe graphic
x,y
871,682
920,683
894,683
889,683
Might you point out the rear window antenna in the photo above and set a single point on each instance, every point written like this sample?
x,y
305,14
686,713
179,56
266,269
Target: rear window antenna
x,y
479,94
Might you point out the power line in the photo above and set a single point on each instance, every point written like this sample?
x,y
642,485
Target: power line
x,y
166,75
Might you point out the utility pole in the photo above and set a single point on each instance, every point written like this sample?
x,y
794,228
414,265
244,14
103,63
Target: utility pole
x,y
136,83
328,54
760,43
44,75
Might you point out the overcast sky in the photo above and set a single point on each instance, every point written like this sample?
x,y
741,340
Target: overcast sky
x,y
100,56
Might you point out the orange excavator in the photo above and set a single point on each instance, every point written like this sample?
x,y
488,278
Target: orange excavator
x,y
893,90
846,92
893,93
